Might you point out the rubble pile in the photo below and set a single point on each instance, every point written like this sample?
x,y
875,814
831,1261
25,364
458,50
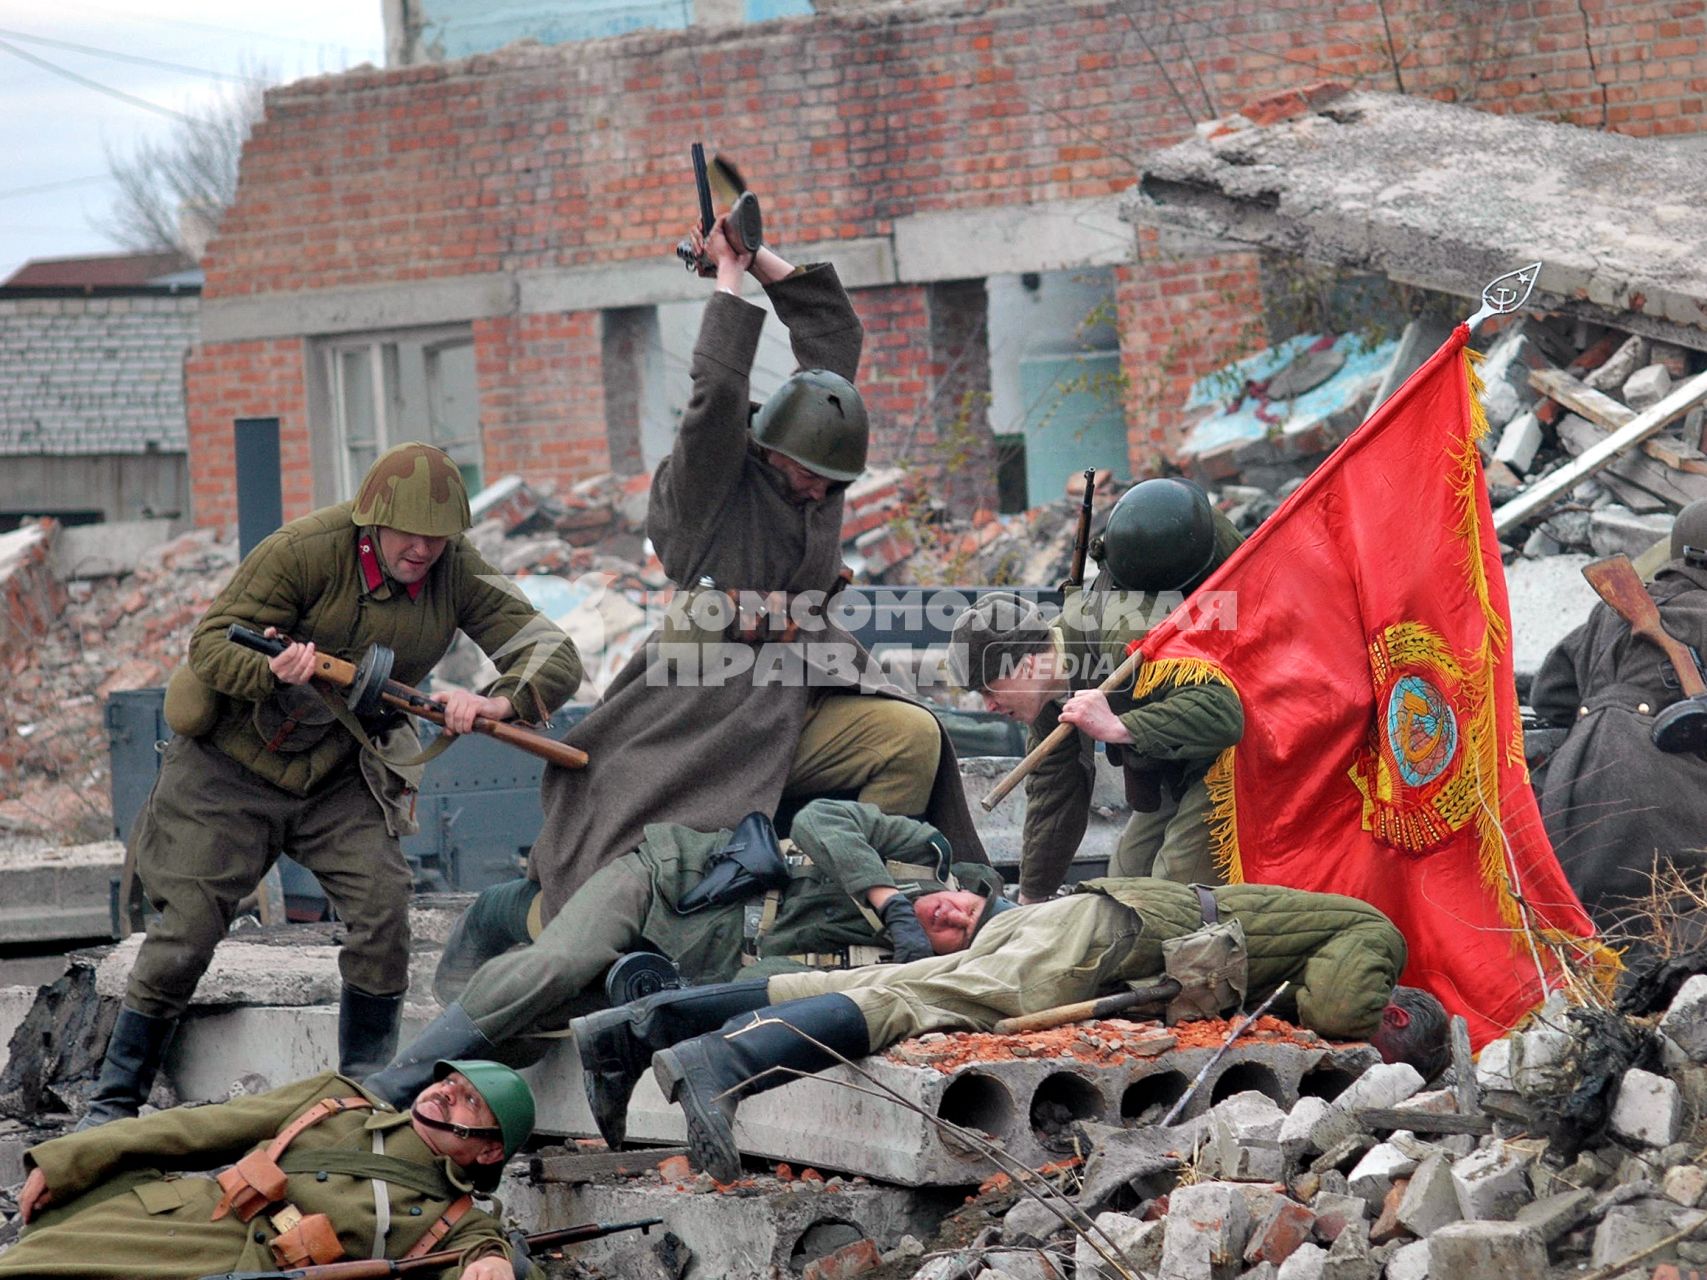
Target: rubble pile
x,y
121,632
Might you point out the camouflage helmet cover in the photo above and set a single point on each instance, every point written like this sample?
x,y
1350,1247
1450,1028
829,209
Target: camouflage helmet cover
x,y
818,419
416,489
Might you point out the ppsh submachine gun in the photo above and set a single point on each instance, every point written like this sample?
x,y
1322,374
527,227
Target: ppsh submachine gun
x,y
428,1263
746,224
367,689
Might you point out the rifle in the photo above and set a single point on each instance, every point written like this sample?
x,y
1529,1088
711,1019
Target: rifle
x,y
364,1268
1681,727
746,225
368,686
1082,538
1121,675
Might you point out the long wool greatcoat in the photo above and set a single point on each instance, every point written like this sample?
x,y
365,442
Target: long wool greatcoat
x,y
662,748
124,1206
1611,800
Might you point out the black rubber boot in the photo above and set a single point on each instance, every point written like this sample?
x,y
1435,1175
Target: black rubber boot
x,y
134,1054
616,1045
496,921
367,1031
450,1035
709,1074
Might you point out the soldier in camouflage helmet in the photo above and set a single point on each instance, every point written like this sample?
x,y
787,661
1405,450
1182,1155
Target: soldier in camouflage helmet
x,y
263,763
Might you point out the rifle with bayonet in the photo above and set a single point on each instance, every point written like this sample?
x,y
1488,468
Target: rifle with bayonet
x,y
364,1268
1082,537
367,687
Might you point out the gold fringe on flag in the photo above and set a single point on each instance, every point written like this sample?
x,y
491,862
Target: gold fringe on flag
x,y
1222,818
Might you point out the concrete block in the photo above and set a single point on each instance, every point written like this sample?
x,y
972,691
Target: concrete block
x,y
1519,442
1494,1066
1685,1020
1030,1222
1385,1085
1615,529
1245,1131
1285,1227
1349,1256
1206,1229
1627,1229
1305,1263
15,1003
1492,1183
59,892
1294,1134
1431,1198
1487,1251
1552,1216
1647,387
1335,1211
1262,1271
1649,1109
769,1229
1539,1059
1021,1264
1408,1262
1686,1184
1373,1176
106,550
1137,1246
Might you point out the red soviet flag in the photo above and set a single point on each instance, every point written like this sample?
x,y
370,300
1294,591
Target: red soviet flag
x,y
1366,629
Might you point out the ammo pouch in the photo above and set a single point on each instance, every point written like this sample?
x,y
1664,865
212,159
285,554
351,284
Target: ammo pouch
x,y
250,1185
1212,969
307,1240
749,863
293,719
192,708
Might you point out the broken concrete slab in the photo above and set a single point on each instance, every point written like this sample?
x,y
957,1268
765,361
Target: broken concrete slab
x,y
1649,1109
1384,1085
1134,1243
1377,181
1487,1251
1685,1020
1615,531
108,550
1207,1226
1492,1182
1431,1198
58,892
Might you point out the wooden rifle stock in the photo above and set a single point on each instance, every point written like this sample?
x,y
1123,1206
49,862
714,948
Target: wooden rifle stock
x,y
1119,676
341,675
1085,1010
1616,581
1082,537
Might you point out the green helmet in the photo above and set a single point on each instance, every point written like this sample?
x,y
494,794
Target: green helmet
x,y
414,488
505,1092
1689,534
1160,537
818,419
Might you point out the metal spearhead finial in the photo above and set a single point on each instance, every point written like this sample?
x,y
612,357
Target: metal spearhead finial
x,y
1505,294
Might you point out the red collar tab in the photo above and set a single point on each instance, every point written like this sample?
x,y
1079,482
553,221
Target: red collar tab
x,y
373,575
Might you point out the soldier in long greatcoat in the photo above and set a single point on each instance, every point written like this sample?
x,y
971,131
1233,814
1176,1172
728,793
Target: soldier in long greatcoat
x,y
703,726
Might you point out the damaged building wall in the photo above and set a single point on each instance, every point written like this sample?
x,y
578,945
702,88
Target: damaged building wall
x,y
519,194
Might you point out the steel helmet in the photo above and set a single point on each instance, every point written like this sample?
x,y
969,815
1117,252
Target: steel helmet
x,y
505,1092
818,419
1160,537
1689,533
414,488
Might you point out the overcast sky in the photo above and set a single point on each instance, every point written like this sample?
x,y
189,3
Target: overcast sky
x,y
56,124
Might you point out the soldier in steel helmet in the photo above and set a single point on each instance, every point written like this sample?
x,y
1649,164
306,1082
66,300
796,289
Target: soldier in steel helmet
x,y
724,713
264,763
1163,539
333,1172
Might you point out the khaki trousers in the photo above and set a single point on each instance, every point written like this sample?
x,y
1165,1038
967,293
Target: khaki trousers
x,y
208,833
1170,844
1022,962
883,750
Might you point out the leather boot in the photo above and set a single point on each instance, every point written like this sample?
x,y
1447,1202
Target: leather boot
x,y
450,1035
494,922
710,1074
616,1045
367,1031
134,1054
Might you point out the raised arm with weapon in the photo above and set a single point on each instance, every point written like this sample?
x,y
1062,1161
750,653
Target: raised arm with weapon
x,y
367,686
745,226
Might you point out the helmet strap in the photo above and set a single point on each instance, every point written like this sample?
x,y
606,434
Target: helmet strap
x,y
460,1130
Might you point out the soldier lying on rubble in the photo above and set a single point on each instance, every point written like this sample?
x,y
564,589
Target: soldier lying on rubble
x,y
263,764
1341,956
331,1173
1614,804
857,887
1163,539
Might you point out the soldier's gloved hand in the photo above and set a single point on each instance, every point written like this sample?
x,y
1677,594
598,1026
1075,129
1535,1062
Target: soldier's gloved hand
x,y
906,934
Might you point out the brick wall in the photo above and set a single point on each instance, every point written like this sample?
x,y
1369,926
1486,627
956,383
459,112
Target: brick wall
x,y
230,380
866,113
